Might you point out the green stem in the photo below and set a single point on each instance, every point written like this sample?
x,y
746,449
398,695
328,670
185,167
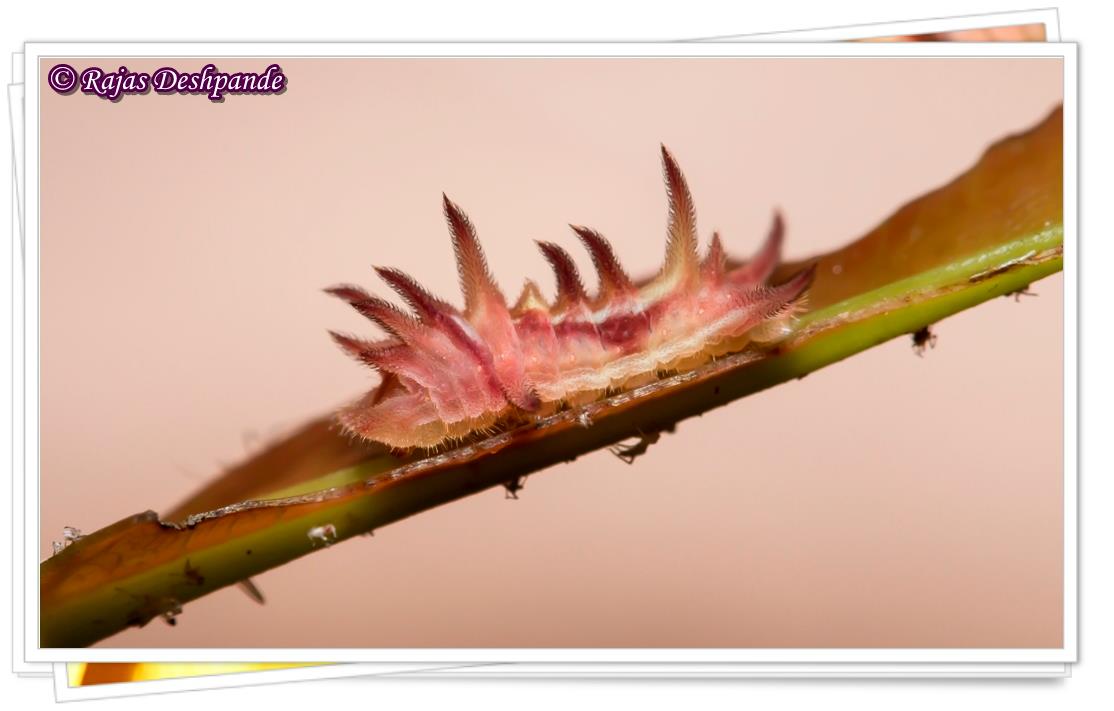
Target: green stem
x,y
992,231
206,555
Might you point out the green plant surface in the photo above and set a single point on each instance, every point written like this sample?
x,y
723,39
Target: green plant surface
x,y
989,233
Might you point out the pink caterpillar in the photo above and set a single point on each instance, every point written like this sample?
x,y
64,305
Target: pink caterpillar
x,y
448,373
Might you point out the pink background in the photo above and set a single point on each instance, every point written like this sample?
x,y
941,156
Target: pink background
x,y
885,501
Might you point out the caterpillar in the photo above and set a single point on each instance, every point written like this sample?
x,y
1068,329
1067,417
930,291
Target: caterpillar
x,y
449,373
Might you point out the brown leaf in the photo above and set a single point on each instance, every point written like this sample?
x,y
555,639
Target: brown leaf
x,y
988,233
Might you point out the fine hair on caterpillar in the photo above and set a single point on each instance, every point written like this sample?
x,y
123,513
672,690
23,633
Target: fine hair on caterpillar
x,y
448,373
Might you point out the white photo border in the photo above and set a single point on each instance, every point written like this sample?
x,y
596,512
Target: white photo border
x,y
1067,52
1048,18
64,691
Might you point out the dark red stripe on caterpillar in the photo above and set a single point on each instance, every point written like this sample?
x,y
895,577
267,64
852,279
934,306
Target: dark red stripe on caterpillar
x,y
448,373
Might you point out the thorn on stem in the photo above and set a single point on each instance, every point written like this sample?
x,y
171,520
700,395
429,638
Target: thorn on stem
x,y
251,590
514,486
1018,293
192,574
628,453
324,535
923,339
170,614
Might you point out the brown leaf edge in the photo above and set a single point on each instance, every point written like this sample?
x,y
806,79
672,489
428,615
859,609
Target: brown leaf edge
x,y
990,232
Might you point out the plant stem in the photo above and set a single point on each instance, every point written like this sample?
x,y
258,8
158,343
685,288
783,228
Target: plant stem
x,y
276,533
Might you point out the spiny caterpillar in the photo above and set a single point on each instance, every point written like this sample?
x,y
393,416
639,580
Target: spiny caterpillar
x,y
450,373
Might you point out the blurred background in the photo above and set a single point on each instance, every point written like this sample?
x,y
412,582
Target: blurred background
x,y
888,500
